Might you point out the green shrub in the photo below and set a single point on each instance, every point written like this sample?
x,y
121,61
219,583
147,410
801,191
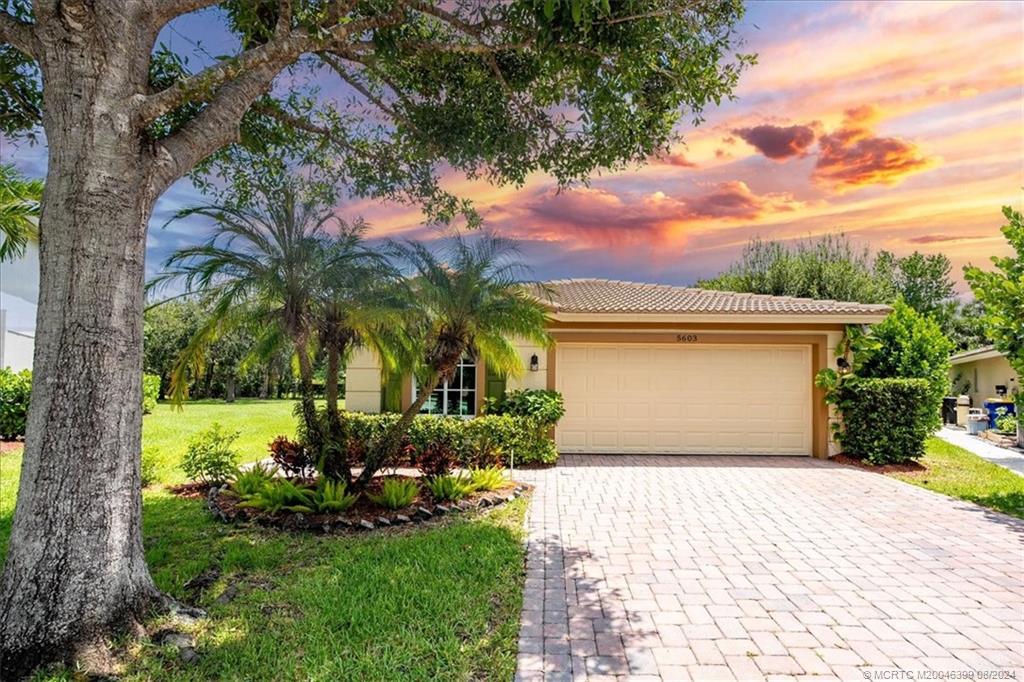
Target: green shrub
x,y
281,495
450,488
1005,422
396,493
210,459
908,345
544,406
150,392
331,497
15,388
489,478
251,481
149,459
885,421
484,441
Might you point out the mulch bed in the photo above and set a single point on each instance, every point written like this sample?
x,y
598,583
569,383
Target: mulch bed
x,y
363,515
8,447
907,468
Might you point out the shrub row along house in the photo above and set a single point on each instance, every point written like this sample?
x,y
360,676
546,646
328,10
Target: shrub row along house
x,y
649,368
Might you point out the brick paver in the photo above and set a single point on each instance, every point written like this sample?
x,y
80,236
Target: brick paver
x,y
749,568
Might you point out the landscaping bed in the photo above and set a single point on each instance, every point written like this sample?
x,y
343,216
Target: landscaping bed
x,y
903,467
364,514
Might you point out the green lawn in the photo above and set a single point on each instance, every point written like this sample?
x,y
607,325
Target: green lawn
x,y
169,428
431,603
953,471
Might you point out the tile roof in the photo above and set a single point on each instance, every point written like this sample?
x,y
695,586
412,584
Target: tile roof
x,y
613,296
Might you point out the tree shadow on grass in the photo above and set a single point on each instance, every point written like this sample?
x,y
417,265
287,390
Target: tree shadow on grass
x,y
433,602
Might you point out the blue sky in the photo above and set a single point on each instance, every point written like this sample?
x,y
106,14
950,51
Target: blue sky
x,y
898,123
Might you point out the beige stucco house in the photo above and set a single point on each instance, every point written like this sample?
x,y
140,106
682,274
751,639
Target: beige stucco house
x,y
650,368
978,372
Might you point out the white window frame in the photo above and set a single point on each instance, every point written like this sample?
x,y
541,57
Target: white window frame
x,y
443,387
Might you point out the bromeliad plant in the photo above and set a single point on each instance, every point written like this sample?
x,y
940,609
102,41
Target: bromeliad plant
x,y
489,478
331,497
251,481
450,488
396,493
281,495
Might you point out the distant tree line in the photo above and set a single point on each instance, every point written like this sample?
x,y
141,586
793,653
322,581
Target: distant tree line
x,y
831,267
230,368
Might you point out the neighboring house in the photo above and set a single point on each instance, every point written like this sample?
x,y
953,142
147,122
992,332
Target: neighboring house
x,y
977,372
16,347
650,368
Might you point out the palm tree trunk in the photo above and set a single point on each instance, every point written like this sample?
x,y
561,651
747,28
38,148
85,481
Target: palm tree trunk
x,y
309,417
379,453
331,384
336,467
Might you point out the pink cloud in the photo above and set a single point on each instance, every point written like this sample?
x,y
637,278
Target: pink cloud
x,y
778,142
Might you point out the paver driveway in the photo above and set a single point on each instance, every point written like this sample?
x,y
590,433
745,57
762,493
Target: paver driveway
x,y
748,568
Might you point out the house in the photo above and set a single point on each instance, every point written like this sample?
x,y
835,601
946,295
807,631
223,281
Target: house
x,y
978,372
651,368
16,347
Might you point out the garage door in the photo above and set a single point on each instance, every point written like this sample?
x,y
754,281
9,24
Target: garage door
x,y
705,399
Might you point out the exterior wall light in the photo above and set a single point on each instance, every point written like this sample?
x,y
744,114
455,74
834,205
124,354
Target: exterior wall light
x,y
843,365
534,363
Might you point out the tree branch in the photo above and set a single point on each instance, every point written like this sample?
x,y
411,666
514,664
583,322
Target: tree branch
x,y
214,127
169,9
277,53
20,34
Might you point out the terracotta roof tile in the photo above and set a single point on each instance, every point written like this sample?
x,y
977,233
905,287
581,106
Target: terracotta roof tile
x,y
613,296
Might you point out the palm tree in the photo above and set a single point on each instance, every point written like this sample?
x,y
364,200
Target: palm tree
x,y
20,198
361,301
262,266
470,300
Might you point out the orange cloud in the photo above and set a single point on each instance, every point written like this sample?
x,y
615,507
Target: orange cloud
x,y
678,160
851,155
590,217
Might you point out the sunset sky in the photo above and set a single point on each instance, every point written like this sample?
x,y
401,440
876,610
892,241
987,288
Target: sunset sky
x,y
899,123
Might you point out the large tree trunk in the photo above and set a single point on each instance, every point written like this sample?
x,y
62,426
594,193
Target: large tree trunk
x,y
75,569
229,389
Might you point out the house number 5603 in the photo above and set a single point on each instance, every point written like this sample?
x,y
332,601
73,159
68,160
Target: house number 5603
x,y
686,338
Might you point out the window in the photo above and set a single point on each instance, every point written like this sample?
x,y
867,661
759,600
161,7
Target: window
x,y
456,396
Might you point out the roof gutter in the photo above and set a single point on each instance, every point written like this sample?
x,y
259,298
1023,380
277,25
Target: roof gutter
x,y
729,318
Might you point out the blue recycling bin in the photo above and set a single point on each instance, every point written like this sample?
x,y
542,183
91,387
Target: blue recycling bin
x,y
992,405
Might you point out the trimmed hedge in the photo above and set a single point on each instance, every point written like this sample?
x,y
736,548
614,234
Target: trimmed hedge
x,y
150,392
885,421
519,437
15,388
544,406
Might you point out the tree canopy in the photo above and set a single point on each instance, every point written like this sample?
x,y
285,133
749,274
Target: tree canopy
x,y
494,90
1001,293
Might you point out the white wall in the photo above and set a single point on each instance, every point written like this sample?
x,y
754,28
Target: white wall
x,y
528,379
363,382
17,350
984,376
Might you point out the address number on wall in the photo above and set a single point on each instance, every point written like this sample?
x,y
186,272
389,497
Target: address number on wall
x,y
686,338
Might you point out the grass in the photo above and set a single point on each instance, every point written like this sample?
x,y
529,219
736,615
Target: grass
x,y
439,602
956,472
259,421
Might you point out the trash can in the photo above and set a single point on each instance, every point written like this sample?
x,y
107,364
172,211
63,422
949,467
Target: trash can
x,y
992,405
977,421
949,410
963,408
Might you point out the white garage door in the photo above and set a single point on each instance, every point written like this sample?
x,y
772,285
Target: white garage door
x,y
703,399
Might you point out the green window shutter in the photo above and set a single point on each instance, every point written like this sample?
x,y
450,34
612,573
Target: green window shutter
x,y
494,386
